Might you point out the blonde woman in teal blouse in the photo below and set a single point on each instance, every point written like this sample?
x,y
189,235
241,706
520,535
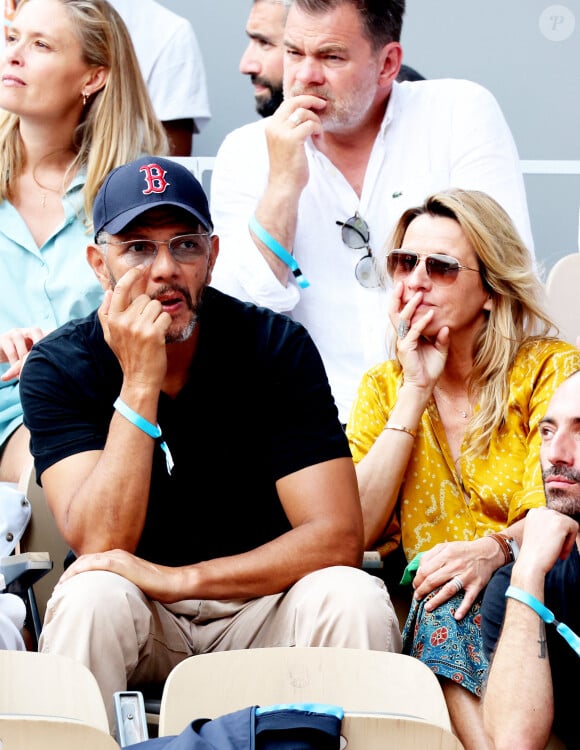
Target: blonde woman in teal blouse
x,y
74,105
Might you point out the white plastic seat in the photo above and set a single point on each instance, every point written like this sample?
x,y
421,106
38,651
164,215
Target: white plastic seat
x,y
359,681
52,686
563,296
45,733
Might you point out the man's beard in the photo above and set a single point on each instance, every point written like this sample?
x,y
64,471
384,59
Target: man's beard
x,y
266,106
186,331
560,499
345,113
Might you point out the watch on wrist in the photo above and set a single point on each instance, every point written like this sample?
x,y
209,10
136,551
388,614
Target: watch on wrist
x,y
513,545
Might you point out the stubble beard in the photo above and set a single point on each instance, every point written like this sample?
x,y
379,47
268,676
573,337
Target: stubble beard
x,y
186,330
564,504
342,114
561,500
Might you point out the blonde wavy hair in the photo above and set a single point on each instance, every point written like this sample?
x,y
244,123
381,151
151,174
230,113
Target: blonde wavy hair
x,y
517,314
118,123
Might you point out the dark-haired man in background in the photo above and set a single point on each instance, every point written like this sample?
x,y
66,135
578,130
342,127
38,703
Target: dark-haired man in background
x,y
263,58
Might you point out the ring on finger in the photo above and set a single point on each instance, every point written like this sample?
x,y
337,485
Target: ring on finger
x,y
295,118
458,583
403,328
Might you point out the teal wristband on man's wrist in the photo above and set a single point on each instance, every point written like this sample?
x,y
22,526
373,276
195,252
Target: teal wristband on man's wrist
x,y
153,430
273,245
513,592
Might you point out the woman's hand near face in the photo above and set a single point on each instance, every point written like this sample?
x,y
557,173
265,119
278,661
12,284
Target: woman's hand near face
x,y
422,359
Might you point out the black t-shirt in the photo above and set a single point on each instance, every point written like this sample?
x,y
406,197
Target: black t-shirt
x,y
257,406
562,597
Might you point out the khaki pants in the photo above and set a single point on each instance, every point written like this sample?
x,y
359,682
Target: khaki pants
x,y
106,622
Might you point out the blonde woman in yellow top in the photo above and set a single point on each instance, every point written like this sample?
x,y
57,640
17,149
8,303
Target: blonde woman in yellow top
x,y
445,437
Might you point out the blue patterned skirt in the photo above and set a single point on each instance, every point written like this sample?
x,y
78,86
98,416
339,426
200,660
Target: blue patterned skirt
x,y
451,648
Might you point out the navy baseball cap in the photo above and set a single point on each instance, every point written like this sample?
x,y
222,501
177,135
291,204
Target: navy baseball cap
x,y
150,181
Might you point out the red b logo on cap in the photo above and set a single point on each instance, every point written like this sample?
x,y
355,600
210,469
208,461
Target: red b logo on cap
x,y
155,178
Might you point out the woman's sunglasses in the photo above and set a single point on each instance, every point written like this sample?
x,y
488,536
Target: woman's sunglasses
x,y
356,235
441,269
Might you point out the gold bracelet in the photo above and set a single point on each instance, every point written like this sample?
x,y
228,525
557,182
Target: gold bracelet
x,y
401,428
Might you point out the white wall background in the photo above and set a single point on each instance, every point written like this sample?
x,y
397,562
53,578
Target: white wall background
x,y
527,52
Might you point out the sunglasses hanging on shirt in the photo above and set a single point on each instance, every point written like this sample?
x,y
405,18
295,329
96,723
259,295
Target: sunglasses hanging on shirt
x,y
356,235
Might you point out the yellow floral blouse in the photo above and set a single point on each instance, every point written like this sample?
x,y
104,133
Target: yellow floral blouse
x,y
494,491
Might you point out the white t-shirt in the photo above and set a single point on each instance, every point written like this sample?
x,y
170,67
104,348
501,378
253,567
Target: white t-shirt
x,y
170,60
12,614
435,134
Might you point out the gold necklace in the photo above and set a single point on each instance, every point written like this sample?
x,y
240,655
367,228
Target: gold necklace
x,y
46,189
463,412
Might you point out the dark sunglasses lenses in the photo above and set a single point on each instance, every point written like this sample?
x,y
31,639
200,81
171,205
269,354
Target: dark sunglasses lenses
x,y
355,233
443,269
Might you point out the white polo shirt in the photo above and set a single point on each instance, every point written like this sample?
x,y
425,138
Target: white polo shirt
x,y
435,134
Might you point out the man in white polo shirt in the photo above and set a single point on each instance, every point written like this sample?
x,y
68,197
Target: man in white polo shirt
x,y
328,175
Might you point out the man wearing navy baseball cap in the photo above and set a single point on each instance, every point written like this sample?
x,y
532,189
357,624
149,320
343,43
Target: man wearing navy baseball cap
x,y
190,450
132,189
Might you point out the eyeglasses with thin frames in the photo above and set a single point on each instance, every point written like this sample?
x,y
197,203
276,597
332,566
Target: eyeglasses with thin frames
x,y
185,248
356,235
442,269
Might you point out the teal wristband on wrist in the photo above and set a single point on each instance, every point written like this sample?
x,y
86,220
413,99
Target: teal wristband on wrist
x,y
273,245
153,430
513,592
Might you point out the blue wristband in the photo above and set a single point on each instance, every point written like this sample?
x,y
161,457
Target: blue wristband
x,y
153,430
546,614
273,245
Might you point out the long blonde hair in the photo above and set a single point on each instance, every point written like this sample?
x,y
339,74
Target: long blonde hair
x,y
517,315
118,123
